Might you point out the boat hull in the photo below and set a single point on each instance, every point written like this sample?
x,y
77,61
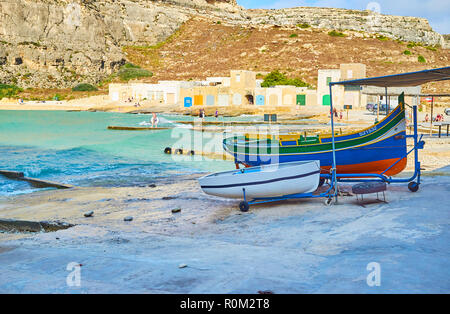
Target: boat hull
x,y
265,181
380,149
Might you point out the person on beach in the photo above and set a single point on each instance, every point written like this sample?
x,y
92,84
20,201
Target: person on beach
x,y
341,114
427,118
154,120
216,114
202,114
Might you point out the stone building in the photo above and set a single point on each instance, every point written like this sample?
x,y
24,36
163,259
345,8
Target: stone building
x,y
242,88
342,95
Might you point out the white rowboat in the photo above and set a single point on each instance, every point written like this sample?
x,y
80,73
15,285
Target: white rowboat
x,y
272,180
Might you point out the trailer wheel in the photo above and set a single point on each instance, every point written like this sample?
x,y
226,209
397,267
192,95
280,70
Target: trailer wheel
x,y
413,186
179,151
168,150
321,182
244,206
329,201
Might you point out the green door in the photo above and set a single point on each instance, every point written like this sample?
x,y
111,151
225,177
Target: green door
x,y
301,100
326,100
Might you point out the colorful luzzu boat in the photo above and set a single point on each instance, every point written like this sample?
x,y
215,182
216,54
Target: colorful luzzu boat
x,y
374,154
379,149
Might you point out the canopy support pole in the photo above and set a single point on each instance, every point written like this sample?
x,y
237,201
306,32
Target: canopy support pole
x,y
387,105
416,143
431,118
333,167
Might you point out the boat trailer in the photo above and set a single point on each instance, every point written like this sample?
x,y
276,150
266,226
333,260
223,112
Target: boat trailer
x,y
331,194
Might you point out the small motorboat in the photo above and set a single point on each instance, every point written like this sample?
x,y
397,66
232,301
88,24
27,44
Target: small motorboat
x,y
265,181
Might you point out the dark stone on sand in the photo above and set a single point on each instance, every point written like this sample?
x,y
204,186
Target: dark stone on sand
x,y
128,218
8,225
89,214
137,200
105,200
176,210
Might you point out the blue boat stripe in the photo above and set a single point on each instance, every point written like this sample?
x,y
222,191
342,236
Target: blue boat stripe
x,y
259,182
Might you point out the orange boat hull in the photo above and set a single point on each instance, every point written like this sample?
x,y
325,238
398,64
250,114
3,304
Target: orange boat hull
x,y
376,167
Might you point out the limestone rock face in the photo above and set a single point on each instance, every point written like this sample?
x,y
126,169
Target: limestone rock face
x,y
59,43
398,27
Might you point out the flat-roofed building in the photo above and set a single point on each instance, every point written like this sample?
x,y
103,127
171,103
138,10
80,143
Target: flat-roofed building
x,y
242,88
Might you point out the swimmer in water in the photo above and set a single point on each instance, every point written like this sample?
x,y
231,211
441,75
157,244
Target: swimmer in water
x,y
154,120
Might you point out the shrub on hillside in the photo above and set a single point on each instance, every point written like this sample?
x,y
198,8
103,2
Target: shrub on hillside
x,y
334,33
382,38
304,25
130,71
407,52
421,59
277,78
130,66
84,88
412,44
9,91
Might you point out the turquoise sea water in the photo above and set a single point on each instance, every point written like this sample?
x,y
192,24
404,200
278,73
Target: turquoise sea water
x,y
77,148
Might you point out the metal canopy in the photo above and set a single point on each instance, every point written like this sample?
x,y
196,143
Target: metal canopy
x,y
402,80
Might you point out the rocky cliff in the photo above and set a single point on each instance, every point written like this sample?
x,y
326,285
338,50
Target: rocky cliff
x,y
58,43
399,27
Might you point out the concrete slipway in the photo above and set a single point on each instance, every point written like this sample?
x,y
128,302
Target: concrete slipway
x,y
294,247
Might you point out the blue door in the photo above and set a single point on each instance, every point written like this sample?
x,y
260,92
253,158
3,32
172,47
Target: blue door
x,y
260,100
188,101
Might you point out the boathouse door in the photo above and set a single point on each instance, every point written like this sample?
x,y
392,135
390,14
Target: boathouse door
x,y
210,100
326,101
188,101
198,100
301,100
260,101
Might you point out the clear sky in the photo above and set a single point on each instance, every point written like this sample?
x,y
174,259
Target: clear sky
x,y
436,11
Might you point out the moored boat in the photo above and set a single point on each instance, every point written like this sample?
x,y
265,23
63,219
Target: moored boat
x,y
264,181
379,149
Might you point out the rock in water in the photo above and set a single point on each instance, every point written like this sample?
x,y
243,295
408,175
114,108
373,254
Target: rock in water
x,y
176,210
128,218
89,214
182,266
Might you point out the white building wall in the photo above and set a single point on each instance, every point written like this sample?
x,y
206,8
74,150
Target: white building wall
x,y
223,99
271,93
322,84
237,99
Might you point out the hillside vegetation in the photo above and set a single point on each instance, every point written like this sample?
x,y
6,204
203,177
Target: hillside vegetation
x,y
202,48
